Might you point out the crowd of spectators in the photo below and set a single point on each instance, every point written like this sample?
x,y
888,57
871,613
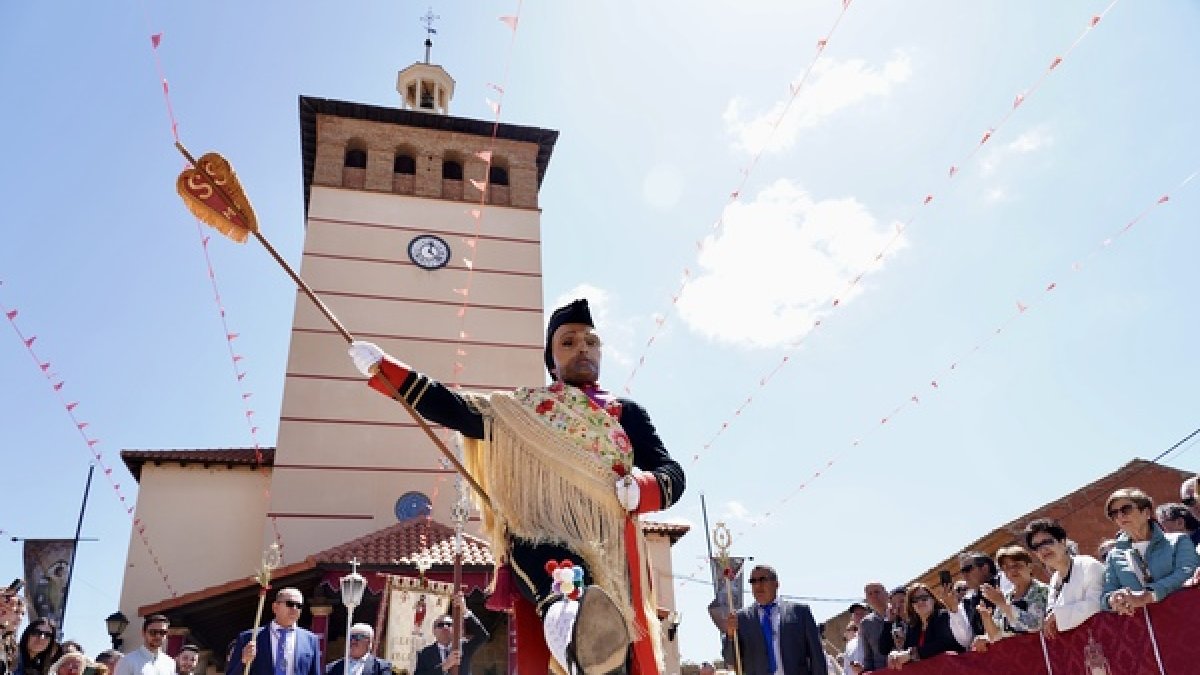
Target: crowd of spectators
x,y
1154,554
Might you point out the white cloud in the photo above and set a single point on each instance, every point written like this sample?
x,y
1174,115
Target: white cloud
x,y
832,86
777,263
1029,142
617,333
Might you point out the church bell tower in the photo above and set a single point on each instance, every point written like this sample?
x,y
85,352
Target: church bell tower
x,y
423,235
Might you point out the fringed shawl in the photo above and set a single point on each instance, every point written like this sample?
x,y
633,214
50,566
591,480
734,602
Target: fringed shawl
x,y
549,461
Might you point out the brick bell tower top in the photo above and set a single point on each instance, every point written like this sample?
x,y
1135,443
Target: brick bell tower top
x,y
426,87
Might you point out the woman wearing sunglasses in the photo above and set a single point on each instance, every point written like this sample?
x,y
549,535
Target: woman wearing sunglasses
x,y
1076,581
39,648
929,632
1147,564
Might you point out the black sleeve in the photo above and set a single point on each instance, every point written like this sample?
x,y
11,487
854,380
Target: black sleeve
x,y
437,403
479,634
649,453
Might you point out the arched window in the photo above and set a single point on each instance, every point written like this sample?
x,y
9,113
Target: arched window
x,y
356,159
404,164
498,175
452,170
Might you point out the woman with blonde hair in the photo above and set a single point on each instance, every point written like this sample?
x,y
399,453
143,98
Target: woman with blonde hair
x,y
1146,564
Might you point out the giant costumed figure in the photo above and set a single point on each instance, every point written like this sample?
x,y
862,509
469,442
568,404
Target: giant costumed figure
x,y
567,468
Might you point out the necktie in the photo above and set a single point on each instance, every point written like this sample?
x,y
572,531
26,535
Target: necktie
x,y
281,650
768,631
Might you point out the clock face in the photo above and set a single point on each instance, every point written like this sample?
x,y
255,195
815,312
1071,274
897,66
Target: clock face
x,y
413,505
429,252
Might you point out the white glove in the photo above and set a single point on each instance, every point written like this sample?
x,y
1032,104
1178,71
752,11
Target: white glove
x,y
629,493
366,356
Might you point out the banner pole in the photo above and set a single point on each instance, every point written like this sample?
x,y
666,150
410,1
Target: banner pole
x,y
87,488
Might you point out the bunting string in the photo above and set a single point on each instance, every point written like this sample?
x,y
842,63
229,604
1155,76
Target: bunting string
x,y
836,302
97,456
236,360
794,89
936,381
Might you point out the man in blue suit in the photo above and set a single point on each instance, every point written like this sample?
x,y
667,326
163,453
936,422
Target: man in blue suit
x,y
776,637
281,648
362,660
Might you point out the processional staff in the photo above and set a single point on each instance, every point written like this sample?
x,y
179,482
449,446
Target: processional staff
x,y
724,540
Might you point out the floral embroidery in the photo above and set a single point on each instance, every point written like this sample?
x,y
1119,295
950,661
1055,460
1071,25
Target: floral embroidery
x,y
593,427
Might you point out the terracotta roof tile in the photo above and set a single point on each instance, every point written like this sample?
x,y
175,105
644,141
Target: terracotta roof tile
x,y
403,543
134,459
673,530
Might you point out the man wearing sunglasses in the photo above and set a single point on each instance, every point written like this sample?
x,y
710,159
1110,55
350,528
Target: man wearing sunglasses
x,y
281,648
441,656
149,659
774,637
362,660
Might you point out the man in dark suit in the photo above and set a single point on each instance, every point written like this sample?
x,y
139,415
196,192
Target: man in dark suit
x,y
441,656
281,648
776,637
362,658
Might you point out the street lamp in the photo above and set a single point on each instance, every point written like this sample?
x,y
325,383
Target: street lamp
x,y
116,624
353,585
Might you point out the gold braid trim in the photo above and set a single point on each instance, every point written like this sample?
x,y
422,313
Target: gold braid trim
x,y
546,489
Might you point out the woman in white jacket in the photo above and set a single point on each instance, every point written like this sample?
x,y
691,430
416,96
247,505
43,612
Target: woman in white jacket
x,y
1077,581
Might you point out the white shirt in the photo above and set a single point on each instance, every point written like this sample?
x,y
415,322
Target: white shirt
x,y
1079,597
854,653
289,648
142,661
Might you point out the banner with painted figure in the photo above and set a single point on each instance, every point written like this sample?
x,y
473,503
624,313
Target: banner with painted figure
x,y
718,609
47,567
413,606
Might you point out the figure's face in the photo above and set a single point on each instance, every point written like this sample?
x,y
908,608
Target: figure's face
x,y
1018,571
154,635
896,603
921,600
71,666
287,607
975,573
763,585
39,638
877,596
1187,495
575,348
1173,525
186,661
443,630
1131,518
360,644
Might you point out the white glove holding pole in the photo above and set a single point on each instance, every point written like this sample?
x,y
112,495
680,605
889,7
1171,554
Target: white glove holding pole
x,y
629,493
366,356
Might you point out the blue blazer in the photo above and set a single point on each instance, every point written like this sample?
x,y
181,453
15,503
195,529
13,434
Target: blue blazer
x,y
306,661
799,641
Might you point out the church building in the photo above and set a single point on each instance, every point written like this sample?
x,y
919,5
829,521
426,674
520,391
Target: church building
x,y
423,235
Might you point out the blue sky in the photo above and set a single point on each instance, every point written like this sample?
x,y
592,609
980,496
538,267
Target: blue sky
x,y
660,107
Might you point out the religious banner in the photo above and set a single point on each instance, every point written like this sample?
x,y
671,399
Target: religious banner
x,y
718,609
413,606
47,567
1162,640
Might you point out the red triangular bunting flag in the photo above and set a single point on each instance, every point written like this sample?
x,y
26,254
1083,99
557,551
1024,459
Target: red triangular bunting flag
x,y
156,40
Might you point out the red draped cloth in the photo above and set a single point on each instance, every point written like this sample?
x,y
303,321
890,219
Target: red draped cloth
x,y
1121,644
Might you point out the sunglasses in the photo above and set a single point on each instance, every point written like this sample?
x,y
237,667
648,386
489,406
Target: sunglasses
x,y
44,634
1189,501
966,568
359,638
760,580
921,598
443,625
1039,545
157,632
1124,511
292,604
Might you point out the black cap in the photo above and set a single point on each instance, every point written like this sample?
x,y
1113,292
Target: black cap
x,y
574,312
